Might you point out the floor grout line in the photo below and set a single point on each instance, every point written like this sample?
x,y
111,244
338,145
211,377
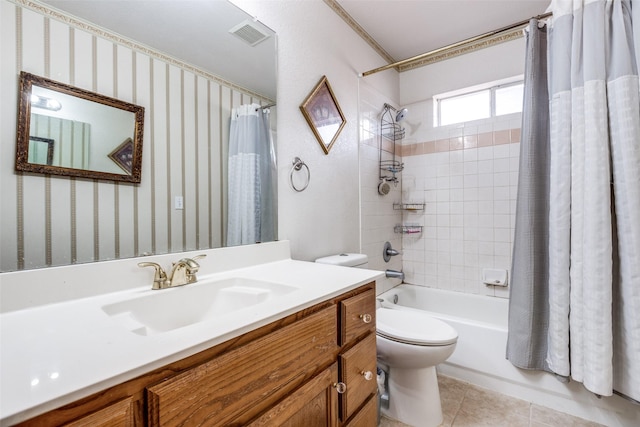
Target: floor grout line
x,y
464,395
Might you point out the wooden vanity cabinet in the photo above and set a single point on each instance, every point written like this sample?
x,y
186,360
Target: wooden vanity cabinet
x,y
286,373
262,372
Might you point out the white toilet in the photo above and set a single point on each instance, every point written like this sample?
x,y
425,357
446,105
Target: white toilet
x,y
411,344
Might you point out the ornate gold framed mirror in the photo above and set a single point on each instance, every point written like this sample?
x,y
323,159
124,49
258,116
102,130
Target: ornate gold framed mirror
x,y
65,130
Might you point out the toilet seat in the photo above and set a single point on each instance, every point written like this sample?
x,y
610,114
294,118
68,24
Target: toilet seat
x,y
412,327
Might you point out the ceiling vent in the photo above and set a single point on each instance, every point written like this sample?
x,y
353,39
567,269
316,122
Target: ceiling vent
x,y
249,32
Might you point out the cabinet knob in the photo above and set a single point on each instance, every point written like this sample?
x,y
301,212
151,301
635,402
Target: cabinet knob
x,y
367,375
366,318
340,387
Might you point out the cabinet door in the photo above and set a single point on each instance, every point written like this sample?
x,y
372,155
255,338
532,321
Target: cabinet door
x,y
367,416
358,372
118,414
357,316
243,383
313,405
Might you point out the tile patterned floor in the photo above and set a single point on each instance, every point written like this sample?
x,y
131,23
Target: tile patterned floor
x,y
466,405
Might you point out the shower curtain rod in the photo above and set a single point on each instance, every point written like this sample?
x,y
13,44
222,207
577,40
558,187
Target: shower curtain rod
x,y
457,44
273,104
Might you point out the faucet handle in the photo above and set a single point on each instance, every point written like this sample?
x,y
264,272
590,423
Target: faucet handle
x,y
159,277
192,267
191,262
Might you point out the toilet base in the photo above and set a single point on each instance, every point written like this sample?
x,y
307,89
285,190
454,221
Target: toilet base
x,y
414,397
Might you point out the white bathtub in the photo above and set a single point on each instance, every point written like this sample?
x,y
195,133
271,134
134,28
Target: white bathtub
x,y
479,358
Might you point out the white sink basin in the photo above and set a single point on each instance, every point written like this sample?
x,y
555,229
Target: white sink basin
x,y
168,309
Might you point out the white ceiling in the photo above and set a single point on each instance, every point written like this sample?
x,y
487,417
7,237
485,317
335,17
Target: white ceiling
x,y
406,28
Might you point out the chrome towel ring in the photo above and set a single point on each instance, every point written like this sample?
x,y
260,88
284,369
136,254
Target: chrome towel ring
x,y
297,165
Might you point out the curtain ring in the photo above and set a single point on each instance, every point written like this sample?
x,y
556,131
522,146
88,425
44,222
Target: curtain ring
x,y
297,165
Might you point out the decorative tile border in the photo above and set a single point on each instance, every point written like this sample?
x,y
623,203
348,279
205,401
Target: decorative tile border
x,y
486,139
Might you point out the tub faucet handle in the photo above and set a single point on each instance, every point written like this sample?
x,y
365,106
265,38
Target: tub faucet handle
x,y
388,252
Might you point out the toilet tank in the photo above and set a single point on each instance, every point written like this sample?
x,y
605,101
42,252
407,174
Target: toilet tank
x,y
346,260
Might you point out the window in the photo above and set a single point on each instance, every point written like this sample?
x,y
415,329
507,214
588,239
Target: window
x,y
478,102
464,108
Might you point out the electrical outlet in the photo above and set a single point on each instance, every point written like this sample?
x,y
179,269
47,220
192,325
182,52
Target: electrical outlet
x,y
179,202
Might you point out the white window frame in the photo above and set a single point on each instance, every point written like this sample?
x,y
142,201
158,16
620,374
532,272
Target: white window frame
x,y
490,86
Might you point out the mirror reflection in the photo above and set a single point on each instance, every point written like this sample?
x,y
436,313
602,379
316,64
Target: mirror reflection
x,y
183,199
73,146
41,150
67,142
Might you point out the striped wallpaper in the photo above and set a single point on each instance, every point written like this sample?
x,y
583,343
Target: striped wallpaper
x,y
51,220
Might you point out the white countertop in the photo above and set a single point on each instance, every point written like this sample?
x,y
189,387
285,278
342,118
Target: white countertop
x,y
53,354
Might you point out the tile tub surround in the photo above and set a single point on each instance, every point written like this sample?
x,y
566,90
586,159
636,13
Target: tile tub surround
x,y
466,405
469,185
71,337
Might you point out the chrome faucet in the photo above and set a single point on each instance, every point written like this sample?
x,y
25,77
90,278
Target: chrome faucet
x,y
182,273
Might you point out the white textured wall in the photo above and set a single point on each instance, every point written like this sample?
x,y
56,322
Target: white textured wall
x,y
313,41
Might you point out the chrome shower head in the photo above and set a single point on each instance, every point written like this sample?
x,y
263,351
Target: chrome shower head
x,y
401,115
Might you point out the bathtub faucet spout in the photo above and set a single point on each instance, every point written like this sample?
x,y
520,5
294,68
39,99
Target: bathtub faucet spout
x,y
394,274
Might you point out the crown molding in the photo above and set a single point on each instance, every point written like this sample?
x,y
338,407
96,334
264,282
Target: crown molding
x,y
333,4
464,49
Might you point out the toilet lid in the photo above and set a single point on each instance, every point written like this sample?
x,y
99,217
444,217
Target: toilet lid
x,y
413,327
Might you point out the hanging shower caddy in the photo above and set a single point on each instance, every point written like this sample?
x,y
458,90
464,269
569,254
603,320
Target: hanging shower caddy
x,y
390,130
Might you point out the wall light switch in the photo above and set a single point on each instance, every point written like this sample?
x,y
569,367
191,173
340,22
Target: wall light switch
x,y
179,202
